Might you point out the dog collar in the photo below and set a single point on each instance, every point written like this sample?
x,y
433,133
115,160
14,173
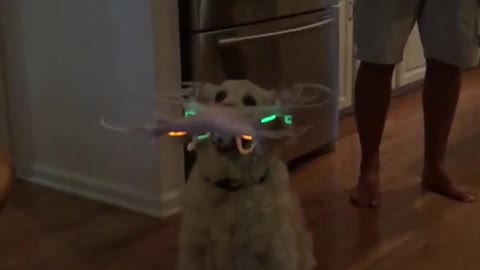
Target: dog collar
x,y
229,185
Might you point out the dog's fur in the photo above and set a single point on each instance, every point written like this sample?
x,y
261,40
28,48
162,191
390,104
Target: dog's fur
x,y
259,226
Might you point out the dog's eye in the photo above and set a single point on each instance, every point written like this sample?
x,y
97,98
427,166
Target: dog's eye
x,y
220,96
249,101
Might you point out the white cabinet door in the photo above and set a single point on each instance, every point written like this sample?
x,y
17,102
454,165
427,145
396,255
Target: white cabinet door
x,y
413,65
346,67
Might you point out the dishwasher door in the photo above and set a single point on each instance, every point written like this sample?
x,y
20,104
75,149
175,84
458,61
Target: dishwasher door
x,y
275,55
216,14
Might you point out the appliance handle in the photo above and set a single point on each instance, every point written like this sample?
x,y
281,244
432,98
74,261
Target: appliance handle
x,y
230,41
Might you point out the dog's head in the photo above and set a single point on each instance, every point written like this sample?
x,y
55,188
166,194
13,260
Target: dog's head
x,y
219,157
242,95
236,93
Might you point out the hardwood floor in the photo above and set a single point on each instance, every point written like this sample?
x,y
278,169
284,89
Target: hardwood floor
x,y
45,229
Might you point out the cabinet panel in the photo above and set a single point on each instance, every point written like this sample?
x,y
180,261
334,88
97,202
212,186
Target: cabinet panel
x,y
413,66
347,59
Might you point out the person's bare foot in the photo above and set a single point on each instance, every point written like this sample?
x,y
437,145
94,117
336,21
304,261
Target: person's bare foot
x,y
438,181
366,194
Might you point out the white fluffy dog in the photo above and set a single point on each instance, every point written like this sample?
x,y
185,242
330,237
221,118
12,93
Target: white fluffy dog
x,y
239,212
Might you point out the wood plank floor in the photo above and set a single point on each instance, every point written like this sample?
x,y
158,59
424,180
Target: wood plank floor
x,y
45,229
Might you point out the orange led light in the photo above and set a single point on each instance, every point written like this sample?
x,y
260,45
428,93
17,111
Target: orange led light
x,y
247,137
177,133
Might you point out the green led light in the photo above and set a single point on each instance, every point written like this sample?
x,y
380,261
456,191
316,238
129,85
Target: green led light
x,y
288,119
268,119
189,114
203,137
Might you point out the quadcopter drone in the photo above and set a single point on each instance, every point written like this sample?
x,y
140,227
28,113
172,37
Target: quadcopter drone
x,y
202,122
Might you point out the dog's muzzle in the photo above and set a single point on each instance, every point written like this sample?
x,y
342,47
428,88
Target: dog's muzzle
x,y
233,145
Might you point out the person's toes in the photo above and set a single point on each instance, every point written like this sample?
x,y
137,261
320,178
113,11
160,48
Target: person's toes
x,y
364,198
444,187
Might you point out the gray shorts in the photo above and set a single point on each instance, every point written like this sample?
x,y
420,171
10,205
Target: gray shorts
x,y
448,30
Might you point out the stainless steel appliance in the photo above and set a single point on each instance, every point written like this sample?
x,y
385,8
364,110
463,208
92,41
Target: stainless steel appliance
x,y
273,43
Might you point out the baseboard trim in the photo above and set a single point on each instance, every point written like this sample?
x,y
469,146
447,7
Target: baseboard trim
x,y
99,190
408,88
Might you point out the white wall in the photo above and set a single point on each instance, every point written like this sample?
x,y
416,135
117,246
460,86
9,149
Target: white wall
x,y
70,62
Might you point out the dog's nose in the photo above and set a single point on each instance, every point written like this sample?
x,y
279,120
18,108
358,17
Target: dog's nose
x,y
224,143
223,140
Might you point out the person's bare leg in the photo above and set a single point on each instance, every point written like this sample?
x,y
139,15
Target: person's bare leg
x,y
440,97
372,99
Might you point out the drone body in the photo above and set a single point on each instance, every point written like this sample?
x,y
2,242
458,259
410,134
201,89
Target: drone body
x,y
208,116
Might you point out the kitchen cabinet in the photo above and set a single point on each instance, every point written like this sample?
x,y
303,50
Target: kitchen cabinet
x,y
348,63
413,66
410,70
